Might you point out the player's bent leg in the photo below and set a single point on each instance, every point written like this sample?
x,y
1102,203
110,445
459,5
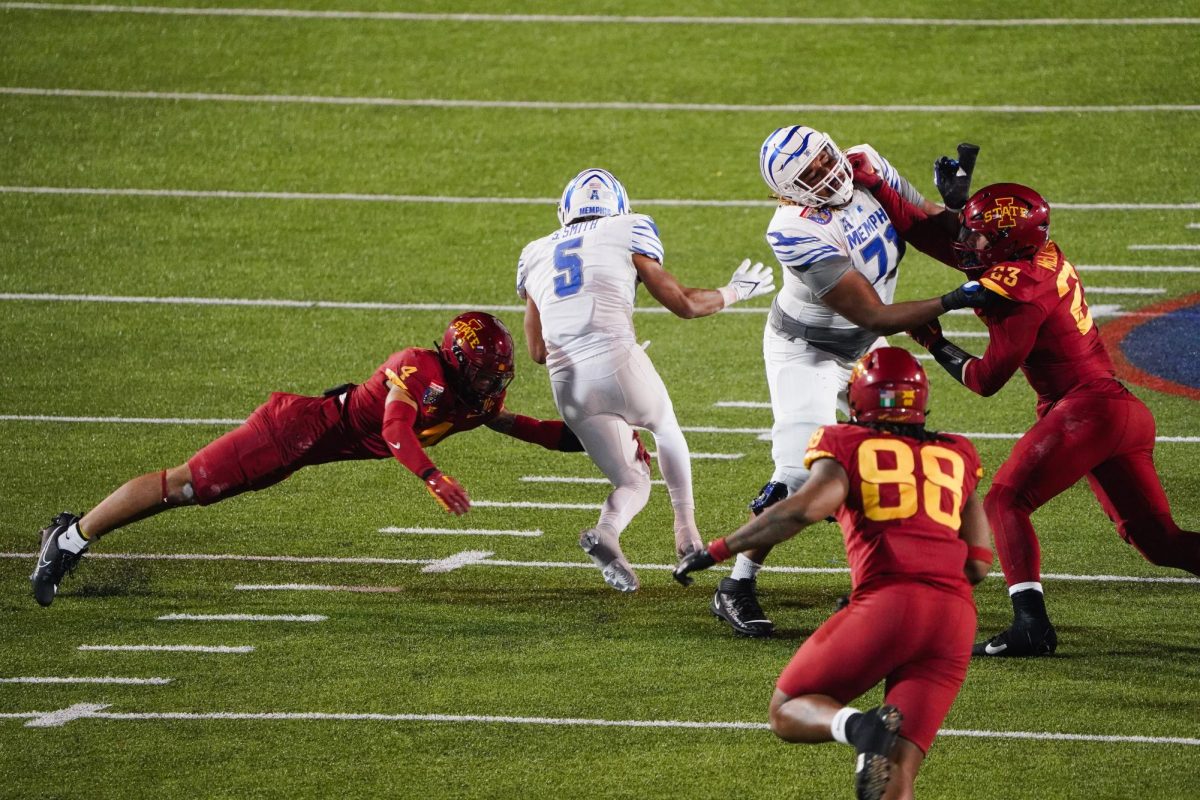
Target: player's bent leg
x,y
736,598
906,762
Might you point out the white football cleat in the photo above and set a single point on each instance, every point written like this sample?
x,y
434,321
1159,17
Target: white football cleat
x,y
605,552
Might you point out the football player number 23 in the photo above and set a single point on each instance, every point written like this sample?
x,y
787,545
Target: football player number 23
x,y
568,267
904,502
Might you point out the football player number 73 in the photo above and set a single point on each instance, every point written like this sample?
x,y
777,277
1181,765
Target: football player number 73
x,y
568,267
942,468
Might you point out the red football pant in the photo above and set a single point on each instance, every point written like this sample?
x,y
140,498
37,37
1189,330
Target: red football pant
x,y
287,432
914,635
1106,435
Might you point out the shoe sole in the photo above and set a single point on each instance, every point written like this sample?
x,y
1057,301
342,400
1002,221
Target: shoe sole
x,y
616,571
874,769
40,585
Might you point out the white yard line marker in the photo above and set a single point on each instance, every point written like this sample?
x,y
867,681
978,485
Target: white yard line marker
x,y
460,532
1125,290
123,681
118,420
459,560
228,194
531,504
741,404
55,719
1164,247
584,105
711,456
168,648
573,479
316,587
95,711
592,19
495,562
719,429
243,617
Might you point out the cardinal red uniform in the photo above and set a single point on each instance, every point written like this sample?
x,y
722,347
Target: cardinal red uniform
x,y
911,618
1089,425
291,431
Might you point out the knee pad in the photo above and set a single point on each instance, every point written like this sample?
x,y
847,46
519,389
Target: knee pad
x,y
771,494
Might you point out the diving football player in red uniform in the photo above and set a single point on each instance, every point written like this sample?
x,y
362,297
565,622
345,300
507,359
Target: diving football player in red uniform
x,y
414,400
917,540
1089,425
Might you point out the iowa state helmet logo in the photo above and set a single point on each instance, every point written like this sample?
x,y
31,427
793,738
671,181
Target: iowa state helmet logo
x,y
1006,212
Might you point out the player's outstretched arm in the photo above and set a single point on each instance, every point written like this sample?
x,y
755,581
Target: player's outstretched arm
x,y
552,434
932,229
399,414
820,496
533,332
978,536
748,280
855,299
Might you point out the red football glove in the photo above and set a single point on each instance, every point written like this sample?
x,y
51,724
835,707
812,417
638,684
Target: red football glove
x,y
927,335
864,174
448,493
642,454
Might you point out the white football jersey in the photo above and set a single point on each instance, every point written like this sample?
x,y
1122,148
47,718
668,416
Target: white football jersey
x,y
582,279
816,247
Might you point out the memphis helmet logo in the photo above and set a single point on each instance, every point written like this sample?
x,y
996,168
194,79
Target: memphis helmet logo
x,y
1006,212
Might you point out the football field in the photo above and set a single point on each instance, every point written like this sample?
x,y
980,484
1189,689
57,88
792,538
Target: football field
x,y
204,202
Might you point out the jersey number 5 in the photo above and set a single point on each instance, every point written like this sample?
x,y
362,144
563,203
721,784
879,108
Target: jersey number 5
x,y
903,502
569,266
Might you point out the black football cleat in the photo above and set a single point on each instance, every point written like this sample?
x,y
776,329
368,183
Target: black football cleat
x,y
874,736
53,562
736,602
1026,638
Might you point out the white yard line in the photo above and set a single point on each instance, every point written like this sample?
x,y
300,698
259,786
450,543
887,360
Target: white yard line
x,y
584,105
1132,268
531,504
95,711
123,681
243,618
1126,290
573,479
348,560
229,194
741,404
316,587
168,648
593,19
460,532
1190,247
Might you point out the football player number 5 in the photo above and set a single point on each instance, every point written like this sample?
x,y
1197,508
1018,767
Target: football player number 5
x,y
569,267
903,502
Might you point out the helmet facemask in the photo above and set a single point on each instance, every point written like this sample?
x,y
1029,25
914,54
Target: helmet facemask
x,y
826,180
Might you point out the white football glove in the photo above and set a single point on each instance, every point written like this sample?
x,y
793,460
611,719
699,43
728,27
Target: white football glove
x,y
749,280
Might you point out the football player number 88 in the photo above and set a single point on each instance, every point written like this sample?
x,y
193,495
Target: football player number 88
x,y
568,266
903,503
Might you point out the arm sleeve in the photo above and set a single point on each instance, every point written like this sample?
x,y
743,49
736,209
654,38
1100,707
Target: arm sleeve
x,y
891,175
398,419
918,229
644,239
1012,333
822,276
552,434
521,275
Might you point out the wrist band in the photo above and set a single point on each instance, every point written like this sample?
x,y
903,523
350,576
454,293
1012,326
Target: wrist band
x,y
976,553
718,549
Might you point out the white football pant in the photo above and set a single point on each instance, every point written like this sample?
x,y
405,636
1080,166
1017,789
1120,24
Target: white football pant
x,y
808,387
602,399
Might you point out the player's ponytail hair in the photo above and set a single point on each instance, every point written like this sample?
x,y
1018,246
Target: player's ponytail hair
x,y
912,431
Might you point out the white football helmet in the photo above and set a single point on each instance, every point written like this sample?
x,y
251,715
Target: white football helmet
x,y
592,193
805,166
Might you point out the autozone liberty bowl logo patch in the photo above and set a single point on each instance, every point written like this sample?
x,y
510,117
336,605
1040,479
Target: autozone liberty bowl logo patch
x,y
1005,212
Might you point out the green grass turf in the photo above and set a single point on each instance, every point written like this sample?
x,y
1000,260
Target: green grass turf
x,y
523,641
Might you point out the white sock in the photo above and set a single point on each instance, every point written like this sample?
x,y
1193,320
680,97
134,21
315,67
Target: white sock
x,y
1020,587
71,539
838,726
744,569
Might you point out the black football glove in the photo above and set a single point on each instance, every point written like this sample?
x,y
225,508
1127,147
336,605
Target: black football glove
x,y
971,294
953,176
692,562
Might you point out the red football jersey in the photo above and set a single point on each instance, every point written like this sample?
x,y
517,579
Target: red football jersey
x,y
904,508
440,411
1046,330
